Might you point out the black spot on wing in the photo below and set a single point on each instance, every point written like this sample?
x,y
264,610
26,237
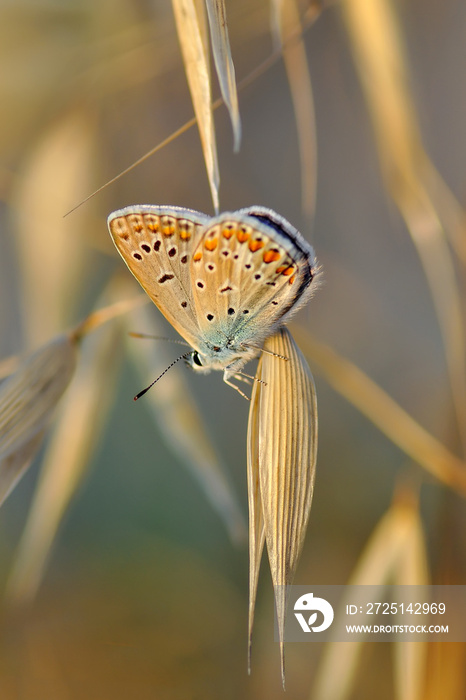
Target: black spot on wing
x,y
166,278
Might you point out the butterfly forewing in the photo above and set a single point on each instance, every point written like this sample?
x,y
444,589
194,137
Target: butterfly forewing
x,y
247,274
157,244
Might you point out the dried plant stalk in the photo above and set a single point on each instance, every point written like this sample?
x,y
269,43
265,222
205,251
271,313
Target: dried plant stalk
x,y
74,439
412,569
76,433
377,46
397,538
288,24
57,170
369,398
282,441
446,675
175,412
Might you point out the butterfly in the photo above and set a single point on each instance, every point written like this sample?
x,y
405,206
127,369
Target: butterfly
x,y
225,283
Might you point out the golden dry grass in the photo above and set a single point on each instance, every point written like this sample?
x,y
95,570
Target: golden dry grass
x,y
86,91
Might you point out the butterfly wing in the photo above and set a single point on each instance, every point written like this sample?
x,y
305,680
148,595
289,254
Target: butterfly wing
x,y
157,243
251,270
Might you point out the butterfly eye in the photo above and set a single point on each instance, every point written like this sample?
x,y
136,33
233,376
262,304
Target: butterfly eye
x,y
197,359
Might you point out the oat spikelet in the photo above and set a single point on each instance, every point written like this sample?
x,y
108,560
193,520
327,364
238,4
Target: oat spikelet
x,y
224,63
190,23
27,400
76,433
256,520
282,444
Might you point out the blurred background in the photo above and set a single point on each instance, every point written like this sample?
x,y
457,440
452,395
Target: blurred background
x,y
138,587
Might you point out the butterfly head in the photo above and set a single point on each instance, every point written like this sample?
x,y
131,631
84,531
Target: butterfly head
x,y
198,362
222,356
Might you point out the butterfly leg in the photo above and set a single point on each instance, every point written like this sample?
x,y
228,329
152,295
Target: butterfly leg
x,y
241,377
227,376
246,378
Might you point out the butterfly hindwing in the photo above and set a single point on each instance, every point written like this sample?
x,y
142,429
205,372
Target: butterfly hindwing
x,y
157,244
249,272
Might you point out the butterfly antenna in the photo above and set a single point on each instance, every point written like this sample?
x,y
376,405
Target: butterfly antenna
x,y
181,357
275,354
134,334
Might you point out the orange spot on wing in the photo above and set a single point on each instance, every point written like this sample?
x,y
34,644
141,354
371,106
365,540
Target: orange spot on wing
x,y
136,222
228,232
271,256
197,257
280,269
292,279
211,243
186,230
255,245
289,271
243,235
168,226
151,222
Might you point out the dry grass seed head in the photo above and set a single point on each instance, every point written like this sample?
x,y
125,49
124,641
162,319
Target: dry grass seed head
x,y
27,400
282,448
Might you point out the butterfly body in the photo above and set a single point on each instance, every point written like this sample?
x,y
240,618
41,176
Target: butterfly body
x,y
225,283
